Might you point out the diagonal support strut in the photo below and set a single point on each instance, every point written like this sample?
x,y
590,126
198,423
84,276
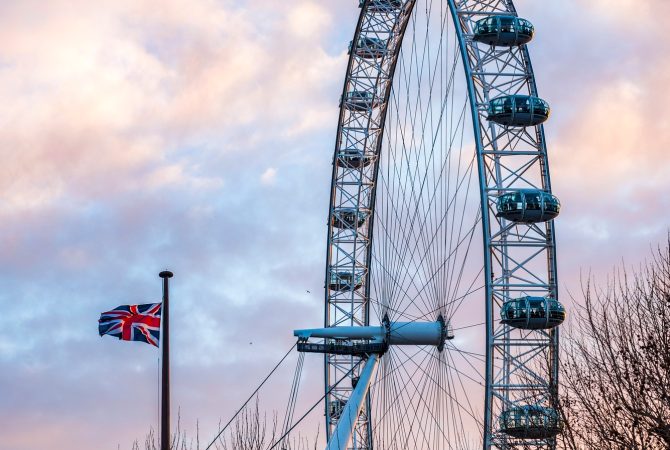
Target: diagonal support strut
x,y
347,423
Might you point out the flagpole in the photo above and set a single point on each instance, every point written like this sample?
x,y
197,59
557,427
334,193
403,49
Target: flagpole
x,y
165,343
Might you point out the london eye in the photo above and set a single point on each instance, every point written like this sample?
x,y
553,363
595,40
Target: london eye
x,y
441,310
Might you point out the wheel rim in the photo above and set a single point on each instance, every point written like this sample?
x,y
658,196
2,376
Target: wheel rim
x,y
405,221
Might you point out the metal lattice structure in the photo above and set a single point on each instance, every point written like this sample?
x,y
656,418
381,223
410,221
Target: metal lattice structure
x,y
410,194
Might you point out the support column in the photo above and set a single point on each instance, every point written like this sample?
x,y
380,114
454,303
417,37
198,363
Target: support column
x,y
347,423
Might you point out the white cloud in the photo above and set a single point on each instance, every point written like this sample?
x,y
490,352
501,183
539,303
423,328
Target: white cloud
x,y
308,20
268,177
120,123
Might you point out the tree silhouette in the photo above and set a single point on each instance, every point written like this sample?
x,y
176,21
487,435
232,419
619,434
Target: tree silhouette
x,y
251,430
615,362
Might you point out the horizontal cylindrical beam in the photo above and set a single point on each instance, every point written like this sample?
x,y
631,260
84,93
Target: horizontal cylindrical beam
x,y
393,333
415,333
346,333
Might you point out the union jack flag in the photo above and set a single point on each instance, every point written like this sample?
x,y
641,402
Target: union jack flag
x,y
133,323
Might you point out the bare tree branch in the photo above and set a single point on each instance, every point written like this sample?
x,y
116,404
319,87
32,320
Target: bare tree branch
x,y
616,362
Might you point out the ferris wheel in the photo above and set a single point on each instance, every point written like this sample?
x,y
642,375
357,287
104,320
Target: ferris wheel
x,y
441,307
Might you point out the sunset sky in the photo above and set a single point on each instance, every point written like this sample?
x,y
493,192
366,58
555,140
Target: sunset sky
x,y
197,136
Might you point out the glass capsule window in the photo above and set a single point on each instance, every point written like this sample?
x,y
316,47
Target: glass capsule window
x,y
530,422
518,110
353,158
533,200
510,202
528,206
345,280
501,105
525,27
540,106
507,24
371,42
514,310
368,47
556,310
360,100
359,95
349,218
551,204
503,30
532,313
487,25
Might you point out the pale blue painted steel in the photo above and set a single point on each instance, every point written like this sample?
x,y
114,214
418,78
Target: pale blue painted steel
x,y
351,250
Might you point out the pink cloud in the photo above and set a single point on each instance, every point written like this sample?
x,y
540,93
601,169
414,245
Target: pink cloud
x,y
134,135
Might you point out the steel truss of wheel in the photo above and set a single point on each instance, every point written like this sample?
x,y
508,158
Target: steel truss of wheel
x,y
458,347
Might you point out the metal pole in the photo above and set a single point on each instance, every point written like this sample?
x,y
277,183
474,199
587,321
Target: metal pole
x,y
165,379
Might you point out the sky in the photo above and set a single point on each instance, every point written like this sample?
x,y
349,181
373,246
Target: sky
x,y
197,136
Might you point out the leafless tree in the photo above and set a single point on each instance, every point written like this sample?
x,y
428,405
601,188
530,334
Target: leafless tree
x,y
251,430
615,374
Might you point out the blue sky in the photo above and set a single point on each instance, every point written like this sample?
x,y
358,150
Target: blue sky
x,y
197,136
